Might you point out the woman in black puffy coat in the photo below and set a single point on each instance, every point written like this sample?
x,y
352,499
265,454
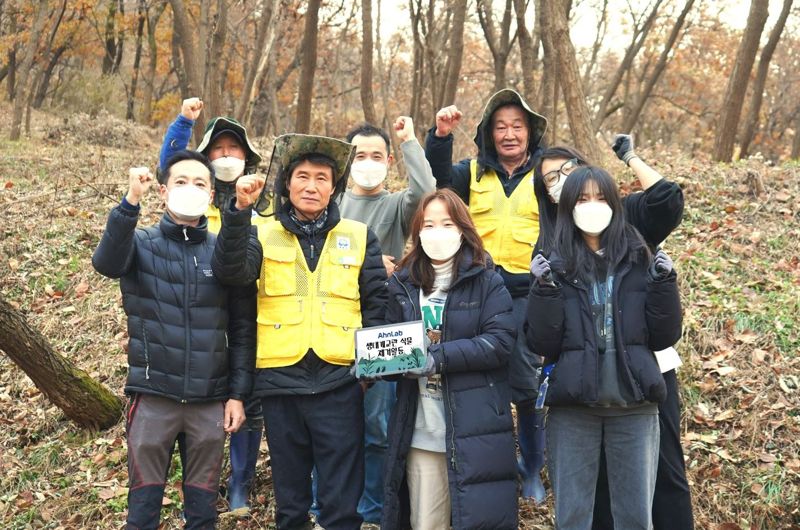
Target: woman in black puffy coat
x,y
451,454
598,308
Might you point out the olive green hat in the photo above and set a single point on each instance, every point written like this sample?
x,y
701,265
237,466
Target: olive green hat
x,y
225,125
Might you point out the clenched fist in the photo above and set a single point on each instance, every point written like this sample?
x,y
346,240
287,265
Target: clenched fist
x,y
191,108
446,120
139,181
404,128
248,188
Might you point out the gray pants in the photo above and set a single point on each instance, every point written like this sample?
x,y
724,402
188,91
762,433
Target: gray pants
x,y
574,441
153,424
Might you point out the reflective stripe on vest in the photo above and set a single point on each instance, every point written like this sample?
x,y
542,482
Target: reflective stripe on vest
x,y
299,309
508,226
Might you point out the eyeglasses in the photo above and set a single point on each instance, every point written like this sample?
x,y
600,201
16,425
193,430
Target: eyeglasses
x,y
551,177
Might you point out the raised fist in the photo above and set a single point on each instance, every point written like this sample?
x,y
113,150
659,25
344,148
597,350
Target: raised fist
x,y
404,128
139,181
248,188
191,108
446,120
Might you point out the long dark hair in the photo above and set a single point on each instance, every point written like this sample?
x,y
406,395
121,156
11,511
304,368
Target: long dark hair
x,y
547,208
619,240
418,263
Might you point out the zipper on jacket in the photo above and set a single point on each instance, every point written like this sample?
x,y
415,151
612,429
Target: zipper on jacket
x,y
146,353
186,316
446,392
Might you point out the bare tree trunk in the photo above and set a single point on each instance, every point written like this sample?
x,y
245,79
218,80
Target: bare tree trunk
x,y
47,74
580,122
152,62
191,59
367,97
141,13
636,110
455,52
796,140
11,85
29,52
500,44
384,89
214,77
528,50
639,36
751,121
737,83
549,87
83,400
265,38
418,73
305,90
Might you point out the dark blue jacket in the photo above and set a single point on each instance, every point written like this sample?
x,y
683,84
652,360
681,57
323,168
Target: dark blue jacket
x,y
191,338
478,335
560,326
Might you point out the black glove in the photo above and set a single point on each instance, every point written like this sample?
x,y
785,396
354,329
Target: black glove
x,y
540,269
623,148
661,266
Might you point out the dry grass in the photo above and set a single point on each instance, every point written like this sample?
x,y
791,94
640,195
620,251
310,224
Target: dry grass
x,y
737,255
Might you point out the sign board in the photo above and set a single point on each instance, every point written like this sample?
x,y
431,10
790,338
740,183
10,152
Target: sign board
x,y
392,349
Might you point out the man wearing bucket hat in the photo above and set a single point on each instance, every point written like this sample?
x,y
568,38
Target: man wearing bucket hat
x,y
322,278
498,187
231,153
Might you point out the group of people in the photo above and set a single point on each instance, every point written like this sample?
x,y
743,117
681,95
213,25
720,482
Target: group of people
x,y
537,285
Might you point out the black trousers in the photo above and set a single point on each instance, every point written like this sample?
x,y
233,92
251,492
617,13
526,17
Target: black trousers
x,y
672,504
325,431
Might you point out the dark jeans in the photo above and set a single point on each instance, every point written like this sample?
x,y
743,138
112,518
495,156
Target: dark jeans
x,y
325,431
672,504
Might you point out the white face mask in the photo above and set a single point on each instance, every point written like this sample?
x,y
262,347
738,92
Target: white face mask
x,y
592,217
555,190
187,202
227,168
368,174
440,243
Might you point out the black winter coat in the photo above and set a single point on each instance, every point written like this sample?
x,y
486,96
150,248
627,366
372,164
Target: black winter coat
x,y
179,315
478,335
560,326
237,260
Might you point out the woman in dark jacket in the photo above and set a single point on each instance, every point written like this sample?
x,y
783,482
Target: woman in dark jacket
x,y
655,213
451,453
597,310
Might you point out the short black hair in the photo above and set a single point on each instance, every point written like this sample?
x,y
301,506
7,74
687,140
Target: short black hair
x,y
314,158
367,129
180,156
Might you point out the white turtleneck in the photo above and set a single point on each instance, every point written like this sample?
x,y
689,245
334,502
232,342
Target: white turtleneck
x,y
430,428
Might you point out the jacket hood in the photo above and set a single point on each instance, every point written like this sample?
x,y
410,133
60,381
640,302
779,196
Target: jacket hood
x,y
537,124
225,125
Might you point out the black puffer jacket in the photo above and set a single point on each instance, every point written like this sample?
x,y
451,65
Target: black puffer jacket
x,y
179,315
478,335
560,326
237,260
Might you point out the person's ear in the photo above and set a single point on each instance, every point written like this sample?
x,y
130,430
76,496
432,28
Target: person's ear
x,y
162,192
389,160
211,198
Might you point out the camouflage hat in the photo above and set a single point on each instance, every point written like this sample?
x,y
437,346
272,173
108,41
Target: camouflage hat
x,y
507,96
289,147
225,125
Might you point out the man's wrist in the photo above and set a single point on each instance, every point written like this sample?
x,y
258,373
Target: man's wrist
x,y
130,200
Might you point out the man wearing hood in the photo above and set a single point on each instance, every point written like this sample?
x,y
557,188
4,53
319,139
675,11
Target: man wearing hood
x,y
498,188
322,278
231,154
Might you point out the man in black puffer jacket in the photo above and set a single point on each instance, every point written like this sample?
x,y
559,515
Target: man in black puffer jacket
x,y
192,341
321,277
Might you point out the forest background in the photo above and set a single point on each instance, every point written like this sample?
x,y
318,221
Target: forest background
x,y
88,88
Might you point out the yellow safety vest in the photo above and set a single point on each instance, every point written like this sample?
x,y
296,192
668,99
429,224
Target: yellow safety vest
x,y
508,226
299,309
